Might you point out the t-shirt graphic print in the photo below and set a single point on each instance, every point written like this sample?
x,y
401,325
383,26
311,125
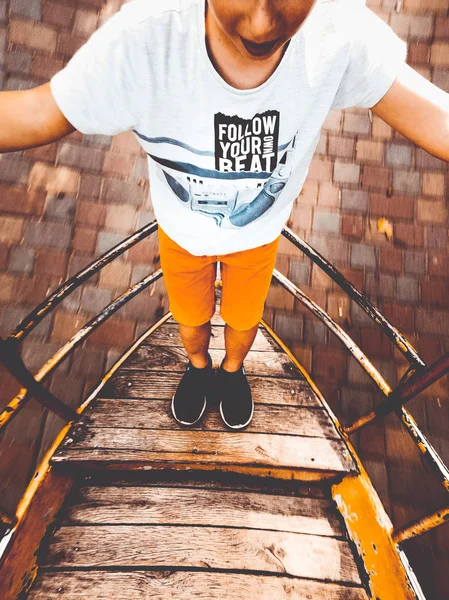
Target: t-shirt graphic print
x,y
251,170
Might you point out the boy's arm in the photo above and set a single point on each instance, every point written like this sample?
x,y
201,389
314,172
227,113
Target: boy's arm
x,y
418,110
30,118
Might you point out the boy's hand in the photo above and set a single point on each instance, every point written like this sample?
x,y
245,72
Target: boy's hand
x,y
30,118
419,110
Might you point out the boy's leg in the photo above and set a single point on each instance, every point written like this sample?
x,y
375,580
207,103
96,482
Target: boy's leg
x,y
238,344
246,278
196,342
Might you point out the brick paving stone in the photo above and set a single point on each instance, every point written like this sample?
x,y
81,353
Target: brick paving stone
x,y
432,211
338,306
414,262
118,164
321,147
320,169
32,35
107,240
354,200
346,172
54,179
376,177
357,123
20,201
315,332
308,194
424,160
407,182
300,218
30,9
121,219
116,275
326,221
380,129
333,120
44,67
68,45
320,279
83,157
126,142
288,326
334,249
330,364
408,290
66,324
90,213
94,300
51,262
97,140
20,83
140,168
19,61
115,191
400,316
391,259
21,259
369,150
399,154
90,186
50,234
14,171
55,13
407,234
84,239
60,207
436,237
439,54
299,272
418,53
399,207
279,298
329,195
380,285
352,226
340,146
363,256
88,362
85,24
432,321
439,264
434,293
118,333
433,184
11,229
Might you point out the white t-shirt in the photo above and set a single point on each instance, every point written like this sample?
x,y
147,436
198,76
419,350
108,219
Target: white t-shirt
x,y
225,164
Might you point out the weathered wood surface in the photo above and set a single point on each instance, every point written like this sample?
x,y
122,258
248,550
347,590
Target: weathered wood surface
x,y
204,447
183,585
315,557
183,506
168,335
265,390
174,359
156,414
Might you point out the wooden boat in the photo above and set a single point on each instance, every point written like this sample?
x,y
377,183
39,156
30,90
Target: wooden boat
x,y
127,505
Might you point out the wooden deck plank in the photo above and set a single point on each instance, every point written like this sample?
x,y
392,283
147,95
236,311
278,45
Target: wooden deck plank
x,y
156,414
265,390
315,557
205,447
174,359
185,506
167,585
168,335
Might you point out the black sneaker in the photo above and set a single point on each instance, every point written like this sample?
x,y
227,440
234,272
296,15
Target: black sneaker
x,y
236,405
190,399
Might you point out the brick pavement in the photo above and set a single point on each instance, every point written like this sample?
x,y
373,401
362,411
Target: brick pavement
x,y
64,204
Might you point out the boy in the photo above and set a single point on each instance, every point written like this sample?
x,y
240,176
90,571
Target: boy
x,y
227,97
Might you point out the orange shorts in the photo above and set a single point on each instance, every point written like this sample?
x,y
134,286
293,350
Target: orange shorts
x,y
190,283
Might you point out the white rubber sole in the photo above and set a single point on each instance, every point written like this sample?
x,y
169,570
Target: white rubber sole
x,y
186,422
236,427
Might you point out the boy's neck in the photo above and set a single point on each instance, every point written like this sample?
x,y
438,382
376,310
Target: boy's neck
x,y
240,72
